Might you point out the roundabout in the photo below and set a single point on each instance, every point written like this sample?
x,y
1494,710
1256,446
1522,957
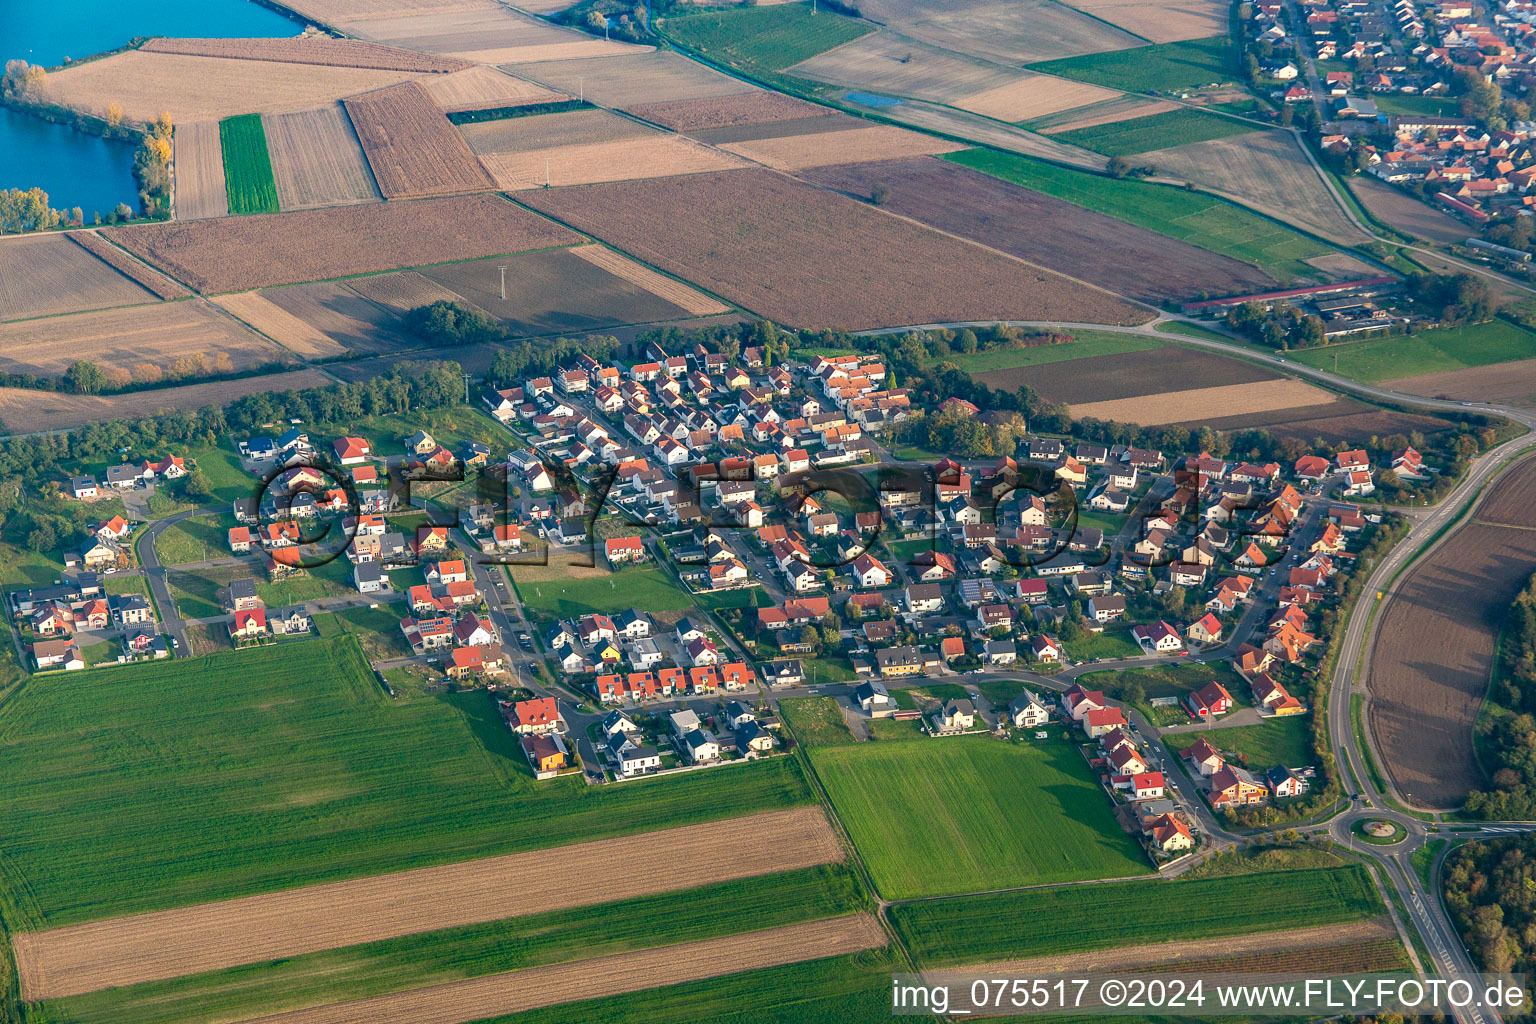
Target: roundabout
x,y
1379,831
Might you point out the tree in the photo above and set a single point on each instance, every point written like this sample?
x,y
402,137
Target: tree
x,y
809,636
196,486
1118,167
879,194
114,113
84,378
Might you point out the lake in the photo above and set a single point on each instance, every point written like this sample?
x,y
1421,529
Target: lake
x,y
74,168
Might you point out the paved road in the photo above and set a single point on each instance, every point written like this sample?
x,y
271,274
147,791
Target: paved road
x,y
149,562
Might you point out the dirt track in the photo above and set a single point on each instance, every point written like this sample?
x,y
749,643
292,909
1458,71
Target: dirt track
x,y
168,944
514,991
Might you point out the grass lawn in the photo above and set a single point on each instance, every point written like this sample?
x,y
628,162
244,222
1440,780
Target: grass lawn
x,y
1451,348
816,721
247,165
438,957
113,806
1085,345
906,550
1192,331
1416,106
752,597
1156,131
199,539
978,929
649,589
126,585
1111,524
939,816
222,468
764,38
449,426
376,629
20,567
913,453
1169,67
196,593
1188,216
1169,680
1112,643
1423,860
1277,741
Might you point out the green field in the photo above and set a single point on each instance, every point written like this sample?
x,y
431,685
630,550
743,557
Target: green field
x,y
816,721
270,774
439,957
1451,348
1072,919
938,816
1112,643
1179,127
199,539
1420,106
764,39
650,589
1167,67
247,166
1086,345
1188,216
1277,741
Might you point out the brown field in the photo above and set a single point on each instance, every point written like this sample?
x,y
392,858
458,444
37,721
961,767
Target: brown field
x,y
1048,232
543,131
1127,375
1011,31
403,291
1339,422
280,325
1341,266
485,36
481,87
1162,21
199,157
1231,400
579,48
887,63
343,315
1400,210
987,132
241,253
1265,170
726,111
807,257
49,274
204,88
1425,696
854,145
334,10
413,150
659,285
210,936
657,157
1503,383
779,129
142,273
123,339
1126,108
317,160
640,78
499,994
1033,96
341,53
23,410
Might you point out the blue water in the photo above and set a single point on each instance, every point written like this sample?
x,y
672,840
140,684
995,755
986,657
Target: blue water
x,y
866,99
74,168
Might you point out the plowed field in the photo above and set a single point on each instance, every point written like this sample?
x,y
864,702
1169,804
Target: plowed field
x,y
855,145
726,111
632,79
654,157
1231,400
142,273
317,160
675,292
1126,375
280,325
481,87
404,291
200,186
341,53
48,274
23,410
1505,383
412,148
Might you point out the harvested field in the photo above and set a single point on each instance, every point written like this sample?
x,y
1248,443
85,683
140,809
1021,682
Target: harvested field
x,y
854,145
1397,209
1232,400
1046,231
634,79
1502,383
884,62
1425,696
343,316
48,274
1342,422
404,291
499,994
1162,21
341,53
1127,108
544,131
1341,266
486,36
413,150
659,285
199,155
555,292
657,157
204,88
141,273
726,111
1264,170
238,254
1033,96
23,410
168,944
804,256
779,129
280,325
482,87
124,340
1126,375
318,160
1014,32
334,10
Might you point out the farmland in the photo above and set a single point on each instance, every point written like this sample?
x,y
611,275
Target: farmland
x,y
1034,96
1119,107
141,273
853,145
23,409
48,274
970,814
413,150
318,160
764,38
489,35
1085,345
1157,131
342,53
1169,67
1397,209
636,78
982,929
644,157
603,591
1129,374
1189,216
281,326
252,252
480,87
885,63
726,111
1505,383
1286,741
403,291
1162,21
201,190
1088,246
783,250
1228,401
247,167
348,322
1435,351
676,292
1008,32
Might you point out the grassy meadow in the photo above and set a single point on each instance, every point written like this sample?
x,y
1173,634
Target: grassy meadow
x,y
1286,741
247,165
608,592
1085,345
199,539
764,39
1167,67
1179,127
1448,348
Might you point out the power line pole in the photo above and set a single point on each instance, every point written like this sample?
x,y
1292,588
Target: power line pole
x,y
466,389
503,269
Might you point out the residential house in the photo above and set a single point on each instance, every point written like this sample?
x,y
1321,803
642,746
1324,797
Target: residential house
x,y
1027,711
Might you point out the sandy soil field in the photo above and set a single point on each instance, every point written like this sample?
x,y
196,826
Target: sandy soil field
x,y
1033,96
1231,400
240,253
124,339
404,291
23,410
1401,211
486,36
126,950
1162,21
413,150
656,157
204,88
1012,31
637,78
1505,383
482,87
280,325
142,273
343,316
335,10
317,159
855,145
727,111
884,62
1045,231
342,53
48,274
499,994
543,131
660,285
1266,170
199,161
1127,375
806,257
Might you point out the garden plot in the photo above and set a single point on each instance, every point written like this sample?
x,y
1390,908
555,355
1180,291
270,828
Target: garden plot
x,y
318,160
200,188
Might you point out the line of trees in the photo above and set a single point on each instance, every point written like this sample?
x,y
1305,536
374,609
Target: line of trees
x,y
1508,726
